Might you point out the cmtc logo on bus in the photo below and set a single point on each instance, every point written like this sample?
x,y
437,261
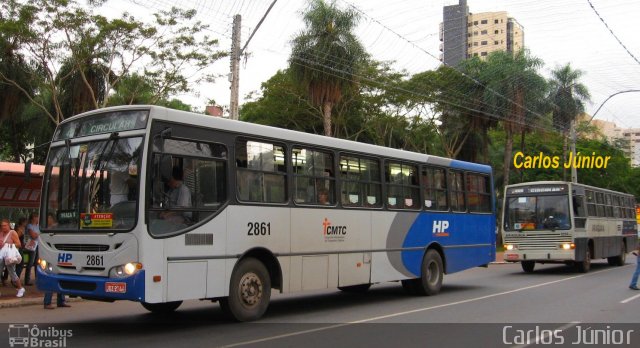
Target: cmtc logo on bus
x,y
440,228
333,233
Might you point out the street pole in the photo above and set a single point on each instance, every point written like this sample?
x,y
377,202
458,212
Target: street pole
x,y
235,68
574,171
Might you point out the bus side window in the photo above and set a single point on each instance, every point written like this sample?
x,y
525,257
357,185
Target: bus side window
x,y
260,172
578,206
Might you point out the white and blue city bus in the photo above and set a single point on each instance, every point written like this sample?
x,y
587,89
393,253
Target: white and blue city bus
x,y
159,206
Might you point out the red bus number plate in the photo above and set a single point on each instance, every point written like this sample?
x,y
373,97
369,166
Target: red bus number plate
x,y
120,288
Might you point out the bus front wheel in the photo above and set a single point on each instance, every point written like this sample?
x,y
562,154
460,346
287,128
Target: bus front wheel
x,y
432,273
161,308
249,291
585,265
528,266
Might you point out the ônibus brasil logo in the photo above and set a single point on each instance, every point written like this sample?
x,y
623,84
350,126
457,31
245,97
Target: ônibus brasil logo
x,y
333,233
25,335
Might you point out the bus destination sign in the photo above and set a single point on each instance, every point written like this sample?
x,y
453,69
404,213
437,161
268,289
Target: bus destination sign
x,y
109,122
544,189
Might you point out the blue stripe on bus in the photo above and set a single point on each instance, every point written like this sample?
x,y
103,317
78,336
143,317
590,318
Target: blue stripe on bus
x,y
95,285
456,230
481,168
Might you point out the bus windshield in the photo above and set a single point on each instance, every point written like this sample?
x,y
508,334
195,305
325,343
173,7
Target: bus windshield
x,y
93,185
537,213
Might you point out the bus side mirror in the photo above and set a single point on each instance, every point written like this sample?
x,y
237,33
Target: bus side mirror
x,y
166,167
27,171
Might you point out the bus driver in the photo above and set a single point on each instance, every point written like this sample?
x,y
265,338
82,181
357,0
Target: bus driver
x,y
179,197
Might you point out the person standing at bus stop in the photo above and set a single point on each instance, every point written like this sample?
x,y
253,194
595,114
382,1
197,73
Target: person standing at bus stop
x,y
31,239
636,274
9,236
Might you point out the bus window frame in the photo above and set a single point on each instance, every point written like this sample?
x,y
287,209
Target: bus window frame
x,y
287,172
380,181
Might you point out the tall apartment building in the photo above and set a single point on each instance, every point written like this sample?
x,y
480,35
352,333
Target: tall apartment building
x,y
632,141
465,35
630,137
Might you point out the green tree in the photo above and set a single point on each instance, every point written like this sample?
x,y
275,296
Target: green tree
x,y
326,56
567,98
513,93
283,103
95,53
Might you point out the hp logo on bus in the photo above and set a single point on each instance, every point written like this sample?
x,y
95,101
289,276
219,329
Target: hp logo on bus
x,y
440,228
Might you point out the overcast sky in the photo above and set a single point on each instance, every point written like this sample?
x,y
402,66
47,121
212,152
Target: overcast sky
x,y
406,31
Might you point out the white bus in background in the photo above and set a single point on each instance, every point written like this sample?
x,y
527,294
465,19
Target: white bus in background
x,y
564,222
266,208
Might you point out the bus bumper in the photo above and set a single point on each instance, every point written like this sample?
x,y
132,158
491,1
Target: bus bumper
x,y
97,288
539,255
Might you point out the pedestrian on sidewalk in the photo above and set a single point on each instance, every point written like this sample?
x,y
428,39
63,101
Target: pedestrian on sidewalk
x,y
9,236
31,239
636,274
21,228
60,301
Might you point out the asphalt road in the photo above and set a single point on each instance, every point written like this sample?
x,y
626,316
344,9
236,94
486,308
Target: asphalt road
x,y
498,306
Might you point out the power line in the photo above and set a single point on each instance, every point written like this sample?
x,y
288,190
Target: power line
x,y
612,33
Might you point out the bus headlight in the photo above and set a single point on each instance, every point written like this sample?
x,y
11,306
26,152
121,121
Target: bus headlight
x,y
45,266
568,246
123,271
510,247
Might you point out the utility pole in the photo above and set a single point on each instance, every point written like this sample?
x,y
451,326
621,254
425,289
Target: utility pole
x,y
234,78
236,53
574,171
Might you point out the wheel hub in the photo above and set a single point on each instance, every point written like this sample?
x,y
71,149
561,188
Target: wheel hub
x,y
250,289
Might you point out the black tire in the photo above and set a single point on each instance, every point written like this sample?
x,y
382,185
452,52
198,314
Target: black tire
x,y
619,260
161,308
585,265
528,266
356,289
249,291
432,273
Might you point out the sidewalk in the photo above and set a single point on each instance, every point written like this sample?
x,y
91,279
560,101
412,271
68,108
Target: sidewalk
x,y
9,299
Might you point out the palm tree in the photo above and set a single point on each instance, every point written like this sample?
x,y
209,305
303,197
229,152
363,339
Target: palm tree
x,y
513,93
83,87
567,99
326,56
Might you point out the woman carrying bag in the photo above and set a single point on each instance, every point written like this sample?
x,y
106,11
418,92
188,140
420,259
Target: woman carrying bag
x,y
10,256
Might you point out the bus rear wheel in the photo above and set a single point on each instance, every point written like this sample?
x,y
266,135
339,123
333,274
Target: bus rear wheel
x,y
432,274
619,260
249,291
528,266
161,308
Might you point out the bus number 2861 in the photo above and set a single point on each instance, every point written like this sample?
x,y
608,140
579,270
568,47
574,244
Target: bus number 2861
x,y
259,228
95,260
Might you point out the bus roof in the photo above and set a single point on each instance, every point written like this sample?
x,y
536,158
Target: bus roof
x,y
536,183
242,127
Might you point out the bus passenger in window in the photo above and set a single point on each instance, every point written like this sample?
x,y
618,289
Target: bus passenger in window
x,y
179,197
323,197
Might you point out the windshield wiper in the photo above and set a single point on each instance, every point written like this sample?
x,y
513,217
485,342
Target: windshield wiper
x,y
100,165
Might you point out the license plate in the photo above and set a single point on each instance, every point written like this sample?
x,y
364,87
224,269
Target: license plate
x,y
120,288
511,256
